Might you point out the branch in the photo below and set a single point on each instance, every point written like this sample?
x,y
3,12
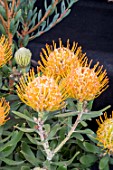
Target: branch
x,y
44,18
57,21
6,7
69,134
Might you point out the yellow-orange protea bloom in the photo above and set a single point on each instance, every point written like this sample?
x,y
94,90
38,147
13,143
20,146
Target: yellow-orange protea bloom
x,y
41,93
58,61
85,83
105,133
4,111
5,51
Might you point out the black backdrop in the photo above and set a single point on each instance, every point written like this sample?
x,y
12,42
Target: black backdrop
x,y
90,23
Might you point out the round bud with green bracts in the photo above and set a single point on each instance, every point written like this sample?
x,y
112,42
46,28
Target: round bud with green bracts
x,y
23,57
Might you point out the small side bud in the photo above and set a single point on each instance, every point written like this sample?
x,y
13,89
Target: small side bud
x,y
23,57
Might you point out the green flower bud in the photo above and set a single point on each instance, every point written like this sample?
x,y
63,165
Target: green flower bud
x,y
23,56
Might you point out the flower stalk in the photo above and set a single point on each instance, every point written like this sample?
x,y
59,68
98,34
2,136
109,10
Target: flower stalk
x,y
70,132
43,136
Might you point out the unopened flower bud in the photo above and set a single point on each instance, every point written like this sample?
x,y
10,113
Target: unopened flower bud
x,y
23,56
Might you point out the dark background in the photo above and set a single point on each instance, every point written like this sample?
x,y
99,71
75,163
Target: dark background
x,y
90,23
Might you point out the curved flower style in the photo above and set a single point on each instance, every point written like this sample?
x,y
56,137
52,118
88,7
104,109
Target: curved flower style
x,y
84,83
105,133
5,51
4,111
41,93
58,61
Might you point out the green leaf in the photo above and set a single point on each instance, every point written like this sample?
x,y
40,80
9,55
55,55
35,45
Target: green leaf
x,y
71,3
53,144
15,105
93,114
86,131
63,7
30,13
3,12
18,15
91,147
80,144
67,114
88,159
70,104
16,136
53,131
11,162
25,168
111,160
27,130
92,137
83,123
25,40
103,162
39,15
33,140
2,29
90,104
29,155
12,25
61,168
62,133
7,151
12,97
23,116
47,128
1,131
65,163
78,136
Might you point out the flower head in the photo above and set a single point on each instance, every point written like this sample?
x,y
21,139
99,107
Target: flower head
x,y
85,83
23,56
105,133
58,61
5,51
41,93
4,111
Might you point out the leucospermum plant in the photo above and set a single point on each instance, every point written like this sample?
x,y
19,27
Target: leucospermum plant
x,y
49,110
63,88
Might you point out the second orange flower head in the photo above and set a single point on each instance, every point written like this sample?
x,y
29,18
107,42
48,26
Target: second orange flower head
x,y
85,83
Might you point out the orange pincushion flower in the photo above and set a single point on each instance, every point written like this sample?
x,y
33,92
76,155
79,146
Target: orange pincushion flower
x,y
84,83
4,111
5,51
41,93
58,61
105,133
